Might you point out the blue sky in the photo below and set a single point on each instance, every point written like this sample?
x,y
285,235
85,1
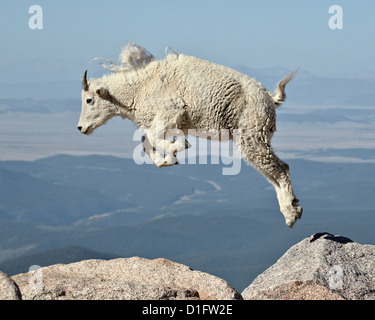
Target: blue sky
x,y
266,33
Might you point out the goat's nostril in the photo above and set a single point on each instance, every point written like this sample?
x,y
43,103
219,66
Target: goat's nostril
x,y
79,128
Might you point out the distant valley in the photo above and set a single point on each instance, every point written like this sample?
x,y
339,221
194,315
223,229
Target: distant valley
x,y
226,225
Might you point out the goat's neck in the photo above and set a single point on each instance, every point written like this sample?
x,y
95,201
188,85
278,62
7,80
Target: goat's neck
x,y
122,88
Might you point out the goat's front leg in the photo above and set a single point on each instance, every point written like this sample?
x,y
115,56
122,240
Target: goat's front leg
x,y
174,146
160,160
155,139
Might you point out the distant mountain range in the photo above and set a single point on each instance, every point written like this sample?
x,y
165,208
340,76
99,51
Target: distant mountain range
x,y
100,189
110,191
229,226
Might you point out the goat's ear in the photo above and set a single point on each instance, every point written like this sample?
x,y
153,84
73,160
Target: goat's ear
x,y
102,92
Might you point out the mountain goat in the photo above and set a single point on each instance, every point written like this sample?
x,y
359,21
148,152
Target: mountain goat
x,y
182,93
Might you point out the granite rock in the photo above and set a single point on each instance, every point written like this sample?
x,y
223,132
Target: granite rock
x,y
124,278
8,288
320,267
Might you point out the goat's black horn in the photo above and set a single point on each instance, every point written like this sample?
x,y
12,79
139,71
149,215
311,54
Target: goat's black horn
x,y
85,85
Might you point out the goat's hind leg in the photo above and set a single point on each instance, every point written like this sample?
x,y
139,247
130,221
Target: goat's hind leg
x,y
287,200
260,154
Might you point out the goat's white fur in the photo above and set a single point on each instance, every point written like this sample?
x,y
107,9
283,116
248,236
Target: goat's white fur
x,y
184,92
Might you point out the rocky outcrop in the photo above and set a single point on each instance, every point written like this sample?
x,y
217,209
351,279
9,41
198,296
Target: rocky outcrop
x,y
8,288
320,267
123,279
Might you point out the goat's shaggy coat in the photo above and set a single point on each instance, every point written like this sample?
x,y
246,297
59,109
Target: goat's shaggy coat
x,y
183,92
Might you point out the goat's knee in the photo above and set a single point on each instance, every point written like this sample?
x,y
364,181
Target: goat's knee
x,y
177,145
159,159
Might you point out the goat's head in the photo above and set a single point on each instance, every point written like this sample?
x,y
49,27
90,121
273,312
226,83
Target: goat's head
x,y
97,105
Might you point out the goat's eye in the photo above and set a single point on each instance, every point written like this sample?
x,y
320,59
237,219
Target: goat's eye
x,y
89,101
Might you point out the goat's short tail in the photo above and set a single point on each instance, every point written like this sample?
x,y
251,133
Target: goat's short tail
x,y
280,95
